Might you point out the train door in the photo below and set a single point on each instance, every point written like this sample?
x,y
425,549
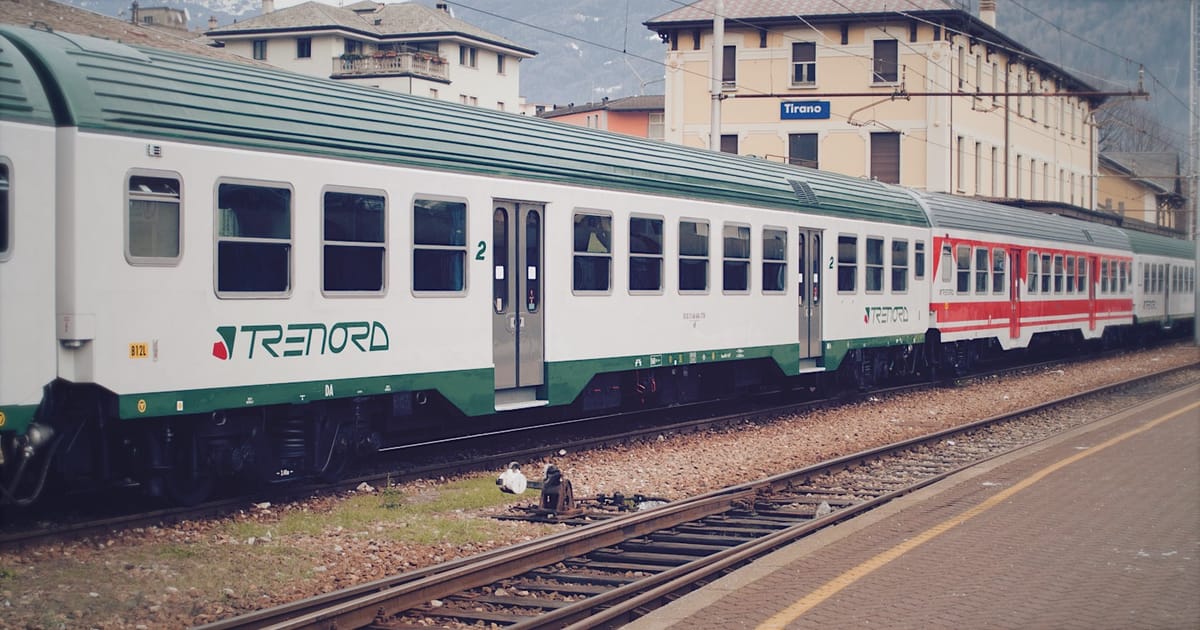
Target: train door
x,y
1015,271
809,295
1092,279
517,314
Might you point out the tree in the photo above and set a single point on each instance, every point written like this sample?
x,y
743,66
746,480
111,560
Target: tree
x,y
1130,125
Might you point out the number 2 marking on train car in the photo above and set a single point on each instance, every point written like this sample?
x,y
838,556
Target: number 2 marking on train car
x,y
482,249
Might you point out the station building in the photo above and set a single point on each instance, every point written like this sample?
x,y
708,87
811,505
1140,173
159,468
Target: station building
x,y
919,93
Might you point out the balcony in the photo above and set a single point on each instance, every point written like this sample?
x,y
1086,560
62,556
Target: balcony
x,y
416,64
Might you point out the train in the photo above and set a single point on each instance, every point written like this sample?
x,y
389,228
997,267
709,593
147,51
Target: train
x,y
214,273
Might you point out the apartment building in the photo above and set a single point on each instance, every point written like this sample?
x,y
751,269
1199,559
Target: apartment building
x,y
406,47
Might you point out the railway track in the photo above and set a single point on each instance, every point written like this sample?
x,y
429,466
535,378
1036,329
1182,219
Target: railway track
x,y
442,457
607,573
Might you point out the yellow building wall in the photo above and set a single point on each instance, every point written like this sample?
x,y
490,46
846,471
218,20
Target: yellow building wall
x,y
950,142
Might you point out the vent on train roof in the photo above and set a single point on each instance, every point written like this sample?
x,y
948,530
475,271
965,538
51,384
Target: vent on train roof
x,y
804,192
1088,236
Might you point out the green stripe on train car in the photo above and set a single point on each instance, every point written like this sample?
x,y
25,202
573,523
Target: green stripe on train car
x,y
566,379
469,390
836,351
16,418
142,92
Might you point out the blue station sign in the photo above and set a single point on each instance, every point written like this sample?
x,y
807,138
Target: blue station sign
x,y
803,110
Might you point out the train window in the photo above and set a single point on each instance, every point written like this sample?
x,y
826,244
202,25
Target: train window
x,y
4,212
982,269
593,252
963,276
645,254
999,272
1104,276
1031,274
736,261
774,265
254,239
1124,278
899,266
439,245
1083,275
533,261
947,264
1070,274
874,265
152,222
919,260
500,275
847,263
1046,272
1058,274
693,256
354,250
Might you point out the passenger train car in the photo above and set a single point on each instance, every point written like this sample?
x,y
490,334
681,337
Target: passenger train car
x,y
214,271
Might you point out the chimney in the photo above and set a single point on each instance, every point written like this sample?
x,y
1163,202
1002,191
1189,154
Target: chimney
x,y
987,12
212,22
445,7
268,6
133,12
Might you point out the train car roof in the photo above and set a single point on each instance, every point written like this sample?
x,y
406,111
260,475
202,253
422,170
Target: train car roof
x,y
21,94
1159,245
965,213
109,87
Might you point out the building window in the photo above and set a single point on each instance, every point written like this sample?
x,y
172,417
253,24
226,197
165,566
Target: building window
x,y
802,149
303,47
736,262
804,63
656,127
645,254
4,211
468,56
885,157
874,265
847,263
254,239
978,168
260,49
593,252
353,246
500,60
962,164
774,266
729,68
439,245
152,235
729,144
693,256
899,266
885,66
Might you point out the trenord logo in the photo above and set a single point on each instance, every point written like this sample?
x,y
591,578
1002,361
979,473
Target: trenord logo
x,y
300,340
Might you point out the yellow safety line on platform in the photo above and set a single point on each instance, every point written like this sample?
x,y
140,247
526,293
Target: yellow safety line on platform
x,y
851,576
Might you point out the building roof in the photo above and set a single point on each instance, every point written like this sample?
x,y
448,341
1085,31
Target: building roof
x,y
1159,171
651,103
767,13
103,87
68,19
391,22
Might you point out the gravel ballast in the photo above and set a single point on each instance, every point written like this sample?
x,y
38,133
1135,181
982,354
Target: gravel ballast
x,y
198,572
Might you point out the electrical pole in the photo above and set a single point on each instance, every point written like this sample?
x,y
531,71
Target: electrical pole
x,y
718,71
1194,163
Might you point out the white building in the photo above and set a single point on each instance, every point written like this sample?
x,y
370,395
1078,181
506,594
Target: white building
x,y
406,47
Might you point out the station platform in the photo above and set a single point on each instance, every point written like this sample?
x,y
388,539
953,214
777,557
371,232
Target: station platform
x,y
1098,527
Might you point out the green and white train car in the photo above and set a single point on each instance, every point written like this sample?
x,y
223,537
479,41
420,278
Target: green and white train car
x,y
251,273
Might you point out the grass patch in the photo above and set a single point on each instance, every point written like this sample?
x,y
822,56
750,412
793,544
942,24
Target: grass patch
x,y
431,516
